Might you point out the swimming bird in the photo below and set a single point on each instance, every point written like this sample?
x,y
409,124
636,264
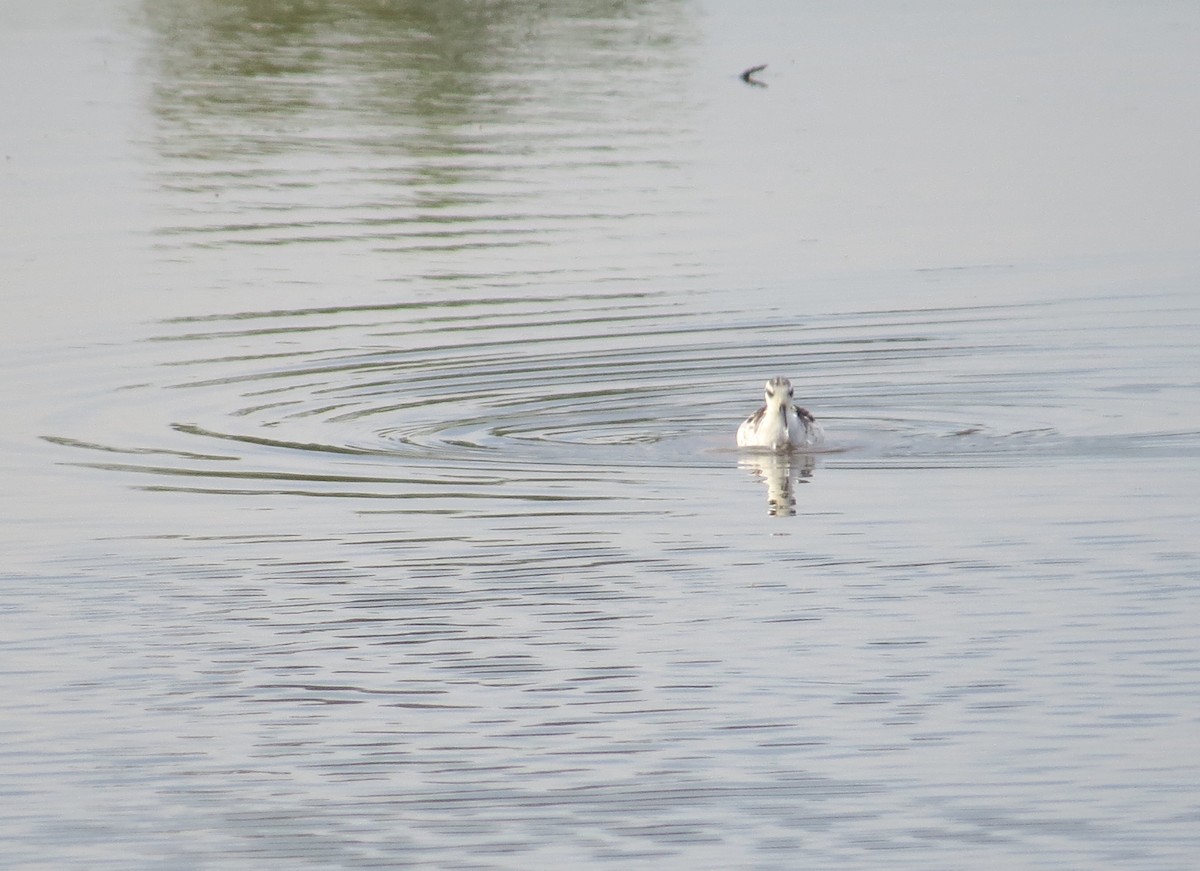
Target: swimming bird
x,y
779,425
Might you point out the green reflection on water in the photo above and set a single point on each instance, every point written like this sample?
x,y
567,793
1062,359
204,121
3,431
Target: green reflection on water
x,y
434,64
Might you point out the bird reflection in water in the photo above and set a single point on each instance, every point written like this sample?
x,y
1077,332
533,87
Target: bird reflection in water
x,y
782,472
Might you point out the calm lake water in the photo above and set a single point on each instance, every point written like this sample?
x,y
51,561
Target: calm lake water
x,y
371,374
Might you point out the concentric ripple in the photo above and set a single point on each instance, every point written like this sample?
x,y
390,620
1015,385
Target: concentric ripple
x,y
494,381
586,389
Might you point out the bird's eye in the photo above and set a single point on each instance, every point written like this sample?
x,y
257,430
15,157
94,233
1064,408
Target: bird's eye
x,y
791,392
770,390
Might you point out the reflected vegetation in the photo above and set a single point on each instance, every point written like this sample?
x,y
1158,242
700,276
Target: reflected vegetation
x,y
449,63
444,133
436,67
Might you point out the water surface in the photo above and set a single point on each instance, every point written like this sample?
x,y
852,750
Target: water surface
x,y
373,372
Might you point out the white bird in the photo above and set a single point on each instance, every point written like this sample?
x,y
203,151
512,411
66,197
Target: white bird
x,y
779,425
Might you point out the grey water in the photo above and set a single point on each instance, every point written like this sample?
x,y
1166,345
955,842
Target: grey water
x,y
371,371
